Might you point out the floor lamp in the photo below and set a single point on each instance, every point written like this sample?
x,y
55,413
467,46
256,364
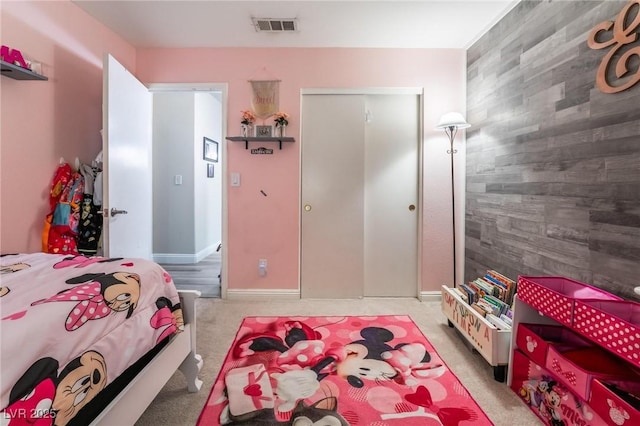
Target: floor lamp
x,y
450,123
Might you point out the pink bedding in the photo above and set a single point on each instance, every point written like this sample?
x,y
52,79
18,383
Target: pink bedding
x,y
69,325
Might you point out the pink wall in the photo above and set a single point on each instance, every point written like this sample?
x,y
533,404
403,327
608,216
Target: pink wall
x,y
42,121
269,226
45,120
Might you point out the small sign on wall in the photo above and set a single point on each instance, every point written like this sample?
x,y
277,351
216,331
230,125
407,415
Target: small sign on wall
x,y
262,150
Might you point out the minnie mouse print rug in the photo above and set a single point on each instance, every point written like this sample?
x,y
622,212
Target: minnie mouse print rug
x,y
365,370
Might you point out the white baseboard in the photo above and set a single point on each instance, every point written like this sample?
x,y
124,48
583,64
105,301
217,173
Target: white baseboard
x,y
190,258
251,294
431,296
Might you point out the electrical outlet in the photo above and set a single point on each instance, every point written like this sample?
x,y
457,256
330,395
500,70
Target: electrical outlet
x,y
262,267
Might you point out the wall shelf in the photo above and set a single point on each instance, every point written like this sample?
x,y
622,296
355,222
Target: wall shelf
x,y
18,73
247,139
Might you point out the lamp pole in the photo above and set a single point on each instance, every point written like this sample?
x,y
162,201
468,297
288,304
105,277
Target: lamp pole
x,y
451,133
450,123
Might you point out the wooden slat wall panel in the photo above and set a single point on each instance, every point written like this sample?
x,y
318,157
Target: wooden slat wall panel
x,y
553,164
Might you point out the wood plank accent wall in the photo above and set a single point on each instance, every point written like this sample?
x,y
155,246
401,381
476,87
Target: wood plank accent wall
x,y
553,164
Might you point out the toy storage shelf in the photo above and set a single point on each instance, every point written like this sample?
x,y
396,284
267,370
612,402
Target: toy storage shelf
x,y
19,73
493,344
604,397
523,313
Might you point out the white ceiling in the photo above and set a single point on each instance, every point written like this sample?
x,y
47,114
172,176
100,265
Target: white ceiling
x,y
323,23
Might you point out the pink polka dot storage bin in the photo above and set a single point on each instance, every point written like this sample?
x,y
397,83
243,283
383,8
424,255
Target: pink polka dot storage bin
x,y
534,339
555,296
616,402
576,368
615,325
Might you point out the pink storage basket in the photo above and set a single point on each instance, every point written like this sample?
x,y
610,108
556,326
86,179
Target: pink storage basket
x,y
534,339
576,368
617,402
555,296
528,381
613,324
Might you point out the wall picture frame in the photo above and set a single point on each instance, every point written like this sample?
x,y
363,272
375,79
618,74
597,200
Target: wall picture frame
x,y
209,150
209,170
264,131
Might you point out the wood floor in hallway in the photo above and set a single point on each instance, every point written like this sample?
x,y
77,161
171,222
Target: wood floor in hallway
x,y
203,276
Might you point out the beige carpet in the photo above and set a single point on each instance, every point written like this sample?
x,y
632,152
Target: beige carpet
x,y
218,321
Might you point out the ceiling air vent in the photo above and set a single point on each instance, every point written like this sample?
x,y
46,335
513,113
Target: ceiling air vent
x,y
275,25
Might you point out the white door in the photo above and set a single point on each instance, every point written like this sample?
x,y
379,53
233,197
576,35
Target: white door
x,y
127,160
391,195
332,258
359,195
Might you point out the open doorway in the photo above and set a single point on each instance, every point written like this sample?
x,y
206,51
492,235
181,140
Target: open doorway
x,y
188,164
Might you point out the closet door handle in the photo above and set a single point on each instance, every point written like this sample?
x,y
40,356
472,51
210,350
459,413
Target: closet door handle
x,y
412,207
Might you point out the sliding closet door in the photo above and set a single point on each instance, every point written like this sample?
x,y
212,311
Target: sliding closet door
x,y
391,195
360,195
332,259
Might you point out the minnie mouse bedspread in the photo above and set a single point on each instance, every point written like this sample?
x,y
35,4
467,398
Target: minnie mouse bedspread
x,y
71,324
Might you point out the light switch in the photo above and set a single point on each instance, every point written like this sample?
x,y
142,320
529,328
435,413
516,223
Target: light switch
x,y
235,179
177,179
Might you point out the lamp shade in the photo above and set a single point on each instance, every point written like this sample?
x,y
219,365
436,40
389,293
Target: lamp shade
x,y
452,119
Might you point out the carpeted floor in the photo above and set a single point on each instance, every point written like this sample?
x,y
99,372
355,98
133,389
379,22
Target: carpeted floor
x,y
218,321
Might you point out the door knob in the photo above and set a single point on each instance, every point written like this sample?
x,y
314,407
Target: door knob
x,y
307,207
115,211
412,207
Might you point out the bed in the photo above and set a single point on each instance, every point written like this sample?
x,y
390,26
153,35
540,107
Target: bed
x,y
79,334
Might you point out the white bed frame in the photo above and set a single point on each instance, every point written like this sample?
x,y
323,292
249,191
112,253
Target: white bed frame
x,y
127,407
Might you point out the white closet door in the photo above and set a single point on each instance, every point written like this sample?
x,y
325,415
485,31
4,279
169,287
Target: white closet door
x,y
391,195
360,195
332,200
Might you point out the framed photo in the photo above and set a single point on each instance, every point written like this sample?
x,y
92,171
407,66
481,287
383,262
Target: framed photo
x,y
209,170
263,131
210,150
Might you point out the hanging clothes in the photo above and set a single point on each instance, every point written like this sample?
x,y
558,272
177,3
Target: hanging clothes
x,y
61,177
90,225
66,218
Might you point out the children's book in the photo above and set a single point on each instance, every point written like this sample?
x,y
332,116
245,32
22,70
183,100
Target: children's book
x,y
498,322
